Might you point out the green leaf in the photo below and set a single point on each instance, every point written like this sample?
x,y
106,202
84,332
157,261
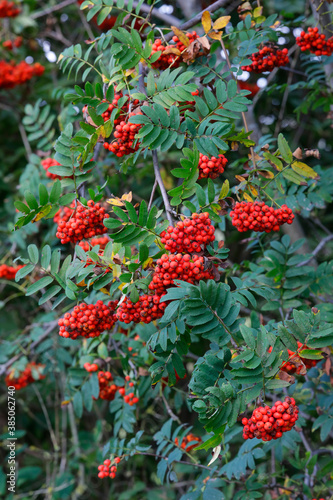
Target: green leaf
x,y
33,254
31,200
24,271
277,384
78,404
284,149
55,191
46,257
38,285
43,195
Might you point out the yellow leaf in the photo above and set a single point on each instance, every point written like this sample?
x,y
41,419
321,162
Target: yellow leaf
x,y
181,35
42,213
64,403
127,196
221,22
215,35
147,263
257,11
247,197
82,283
129,71
304,170
206,21
60,57
225,190
253,190
240,178
104,290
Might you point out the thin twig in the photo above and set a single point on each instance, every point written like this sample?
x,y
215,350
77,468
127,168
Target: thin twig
x,y
47,418
168,409
316,250
49,10
25,141
152,195
158,177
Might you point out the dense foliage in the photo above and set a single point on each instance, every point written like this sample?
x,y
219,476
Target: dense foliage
x,y
149,348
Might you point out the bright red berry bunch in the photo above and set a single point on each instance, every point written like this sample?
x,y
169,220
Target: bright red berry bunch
x,y
107,469
9,272
107,389
211,167
266,59
124,134
315,42
9,45
147,309
48,163
8,9
129,398
88,320
190,235
102,242
257,216
64,214
84,223
182,267
31,371
270,423
12,74
169,55
93,367
189,439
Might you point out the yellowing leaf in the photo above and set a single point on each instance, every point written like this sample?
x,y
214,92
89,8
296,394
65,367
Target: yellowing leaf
x,y
240,178
127,196
206,21
304,170
82,283
257,11
181,35
253,190
104,290
247,197
221,22
42,213
225,190
215,35
66,402
147,263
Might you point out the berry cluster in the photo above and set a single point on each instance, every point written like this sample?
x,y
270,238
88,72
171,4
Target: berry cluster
x,y
125,133
182,267
147,309
315,42
9,45
170,53
211,167
48,163
102,242
291,366
9,272
107,389
190,235
129,398
266,59
31,373
93,367
83,223
88,320
114,105
106,469
8,9
12,74
270,423
189,439
259,217
64,213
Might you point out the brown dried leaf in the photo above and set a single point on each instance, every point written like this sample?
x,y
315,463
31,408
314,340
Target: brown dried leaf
x,y
286,376
234,146
172,50
312,152
298,153
198,46
266,173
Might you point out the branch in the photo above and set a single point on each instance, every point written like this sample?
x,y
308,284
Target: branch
x,y
158,177
196,19
4,366
316,250
49,10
